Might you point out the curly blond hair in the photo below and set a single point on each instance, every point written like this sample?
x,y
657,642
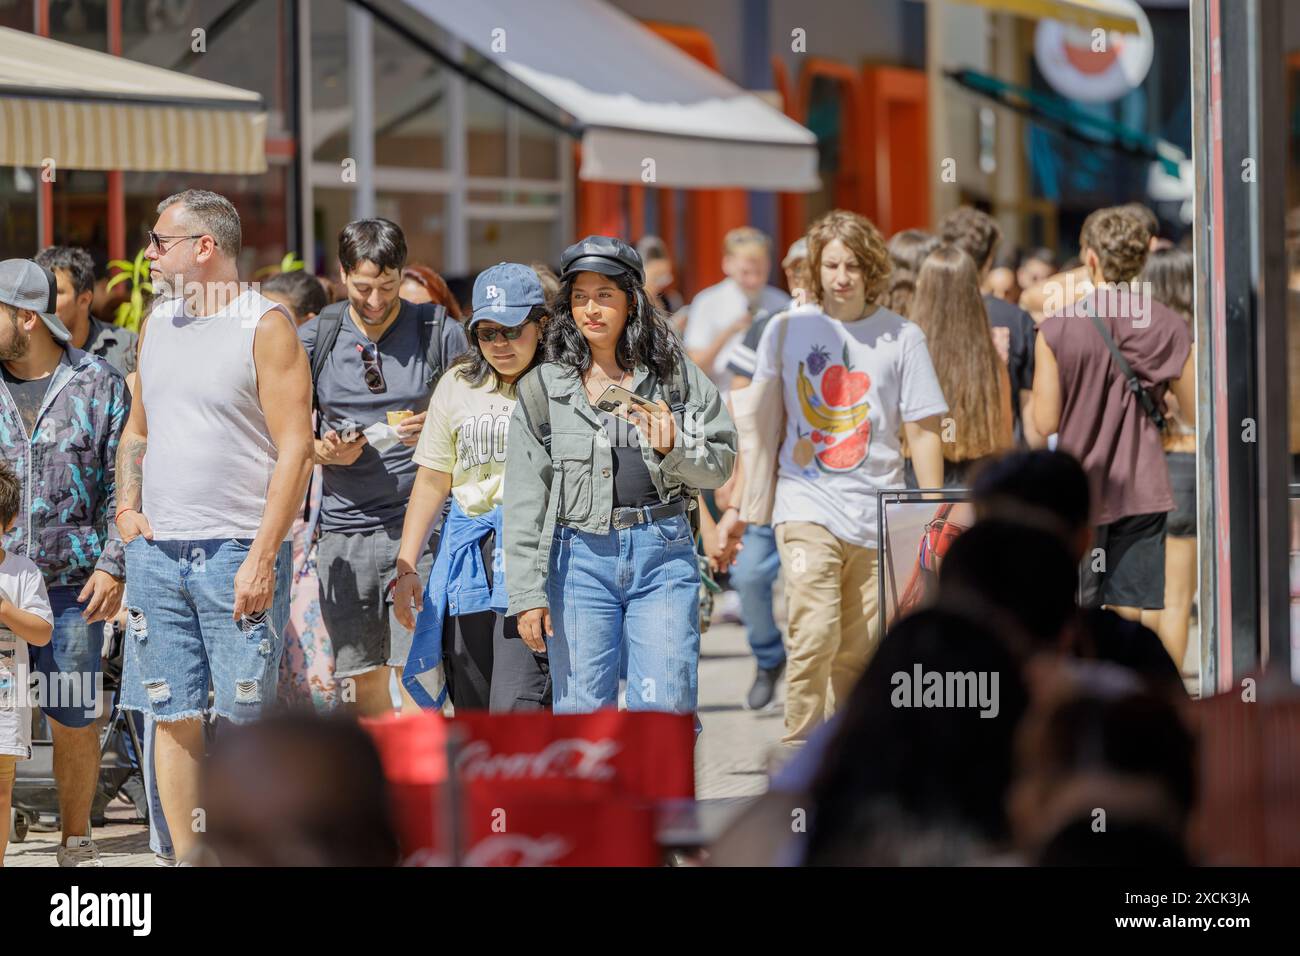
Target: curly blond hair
x,y
861,237
1120,239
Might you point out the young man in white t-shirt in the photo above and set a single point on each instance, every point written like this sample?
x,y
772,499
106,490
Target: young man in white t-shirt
x,y
719,316
25,618
854,374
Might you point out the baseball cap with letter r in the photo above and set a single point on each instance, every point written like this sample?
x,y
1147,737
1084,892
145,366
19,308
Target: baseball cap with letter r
x,y
506,294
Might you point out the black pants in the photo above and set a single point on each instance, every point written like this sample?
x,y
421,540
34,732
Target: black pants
x,y
487,664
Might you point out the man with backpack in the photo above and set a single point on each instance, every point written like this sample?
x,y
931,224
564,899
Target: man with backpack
x,y
375,360
1102,368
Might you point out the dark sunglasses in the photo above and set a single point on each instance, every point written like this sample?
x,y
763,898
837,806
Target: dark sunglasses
x,y
157,241
490,335
374,374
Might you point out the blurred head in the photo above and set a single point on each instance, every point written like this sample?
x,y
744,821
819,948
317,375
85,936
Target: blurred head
x,y
976,233
198,237
420,285
372,253
296,790
1172,275
1096,746
1045,489
944,765
1039,597
658,265
1150,222
849,262
948,308
11,496
798,277
1114,243
74,274
1038,265
549,280
299,291
747,259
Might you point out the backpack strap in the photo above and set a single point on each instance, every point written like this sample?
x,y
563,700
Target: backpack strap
x,y
1144,397
537,407
328,323
431,338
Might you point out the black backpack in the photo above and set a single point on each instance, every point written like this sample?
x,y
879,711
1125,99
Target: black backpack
x,y
330,320
328,323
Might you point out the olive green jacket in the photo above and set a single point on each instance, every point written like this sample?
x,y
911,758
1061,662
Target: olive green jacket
x,y
574,485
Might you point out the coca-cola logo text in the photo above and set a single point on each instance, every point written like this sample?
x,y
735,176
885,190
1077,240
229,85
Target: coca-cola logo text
x,y
572,757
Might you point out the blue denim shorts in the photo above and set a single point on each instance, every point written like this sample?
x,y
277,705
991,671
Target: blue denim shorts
x,y
67,669
182,636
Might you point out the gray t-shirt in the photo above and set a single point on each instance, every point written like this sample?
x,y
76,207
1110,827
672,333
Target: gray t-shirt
x,y
372,492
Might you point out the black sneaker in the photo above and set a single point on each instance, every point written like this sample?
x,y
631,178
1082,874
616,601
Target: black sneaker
x,y
764,688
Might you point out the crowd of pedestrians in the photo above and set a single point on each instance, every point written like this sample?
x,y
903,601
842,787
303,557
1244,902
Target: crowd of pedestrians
x,y
351,493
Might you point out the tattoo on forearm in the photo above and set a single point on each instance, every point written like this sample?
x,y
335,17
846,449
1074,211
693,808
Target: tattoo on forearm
x,y
130,471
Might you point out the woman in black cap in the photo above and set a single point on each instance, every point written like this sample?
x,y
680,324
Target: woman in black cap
x,y
600,486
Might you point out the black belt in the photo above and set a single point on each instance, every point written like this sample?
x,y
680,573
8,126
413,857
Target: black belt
x,y
624,518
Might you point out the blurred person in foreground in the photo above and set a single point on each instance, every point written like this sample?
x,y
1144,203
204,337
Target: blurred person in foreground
x,y
1106,772
1112,421
296,790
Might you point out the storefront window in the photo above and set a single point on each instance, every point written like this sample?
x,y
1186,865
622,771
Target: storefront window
x,y
422,217
18,15
825,111
18,191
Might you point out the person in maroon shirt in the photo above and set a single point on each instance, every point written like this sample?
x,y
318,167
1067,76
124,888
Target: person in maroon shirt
x,y
1082,394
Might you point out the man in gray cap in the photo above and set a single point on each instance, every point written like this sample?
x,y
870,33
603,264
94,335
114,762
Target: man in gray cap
x,y
61,416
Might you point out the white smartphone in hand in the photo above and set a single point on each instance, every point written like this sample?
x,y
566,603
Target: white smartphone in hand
x,y
619,401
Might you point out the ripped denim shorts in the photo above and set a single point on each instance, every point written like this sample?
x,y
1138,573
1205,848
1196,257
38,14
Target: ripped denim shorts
x,y
182,636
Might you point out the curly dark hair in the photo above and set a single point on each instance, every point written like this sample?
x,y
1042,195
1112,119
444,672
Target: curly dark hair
x,y
973,231
646,338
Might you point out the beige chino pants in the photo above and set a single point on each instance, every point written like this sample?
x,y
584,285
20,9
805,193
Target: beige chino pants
x,y
831,596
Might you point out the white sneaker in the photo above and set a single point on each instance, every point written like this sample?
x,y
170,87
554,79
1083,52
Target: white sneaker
x,y
79,851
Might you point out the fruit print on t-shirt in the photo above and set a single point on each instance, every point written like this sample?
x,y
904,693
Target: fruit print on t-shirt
x,y
835,410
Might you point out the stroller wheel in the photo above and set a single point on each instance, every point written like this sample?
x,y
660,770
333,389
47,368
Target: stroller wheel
x,y
18,825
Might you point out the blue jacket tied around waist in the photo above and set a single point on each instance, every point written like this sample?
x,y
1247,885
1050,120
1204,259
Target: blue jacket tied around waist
x,y
458,584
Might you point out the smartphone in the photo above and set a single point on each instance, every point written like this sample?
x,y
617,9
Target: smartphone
x,y
619,400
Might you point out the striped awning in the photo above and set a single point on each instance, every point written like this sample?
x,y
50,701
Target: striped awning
x,y
81,109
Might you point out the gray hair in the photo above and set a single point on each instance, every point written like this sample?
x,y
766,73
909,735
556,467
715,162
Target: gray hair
x,y
213,213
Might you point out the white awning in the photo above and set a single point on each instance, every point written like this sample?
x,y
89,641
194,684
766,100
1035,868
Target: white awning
x,y
82,109
634,96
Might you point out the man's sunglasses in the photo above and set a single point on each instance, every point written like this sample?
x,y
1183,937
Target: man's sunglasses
x,y
374,374
156,241
490,335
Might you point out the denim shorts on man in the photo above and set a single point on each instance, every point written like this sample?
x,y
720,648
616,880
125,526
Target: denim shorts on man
x,y
68,667
182,635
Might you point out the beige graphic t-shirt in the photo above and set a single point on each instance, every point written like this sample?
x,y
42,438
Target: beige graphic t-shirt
x,y
464,435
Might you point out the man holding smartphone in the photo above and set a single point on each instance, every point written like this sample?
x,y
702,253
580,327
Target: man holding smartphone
x,y
384,356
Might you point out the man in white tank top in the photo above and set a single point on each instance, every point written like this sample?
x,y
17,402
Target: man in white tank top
x,y
212,468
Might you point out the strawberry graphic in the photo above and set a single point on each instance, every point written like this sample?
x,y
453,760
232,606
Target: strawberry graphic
x,y
842,386
817,359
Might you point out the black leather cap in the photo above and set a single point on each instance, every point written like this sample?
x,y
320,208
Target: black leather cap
x,y
603,254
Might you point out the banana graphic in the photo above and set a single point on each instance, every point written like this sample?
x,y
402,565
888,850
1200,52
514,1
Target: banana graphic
x,y
843,420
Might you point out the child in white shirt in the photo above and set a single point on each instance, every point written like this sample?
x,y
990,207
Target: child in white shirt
x,y
25,618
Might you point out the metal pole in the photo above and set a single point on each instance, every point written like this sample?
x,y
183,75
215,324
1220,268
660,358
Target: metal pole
x,y
361,89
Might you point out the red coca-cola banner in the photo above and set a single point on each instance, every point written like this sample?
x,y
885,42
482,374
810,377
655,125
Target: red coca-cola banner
x,y
537,789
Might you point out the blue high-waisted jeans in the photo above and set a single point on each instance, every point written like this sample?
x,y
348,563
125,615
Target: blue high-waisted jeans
x,y
636,588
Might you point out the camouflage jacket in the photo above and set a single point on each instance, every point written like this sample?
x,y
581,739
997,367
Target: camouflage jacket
x,y
68,469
